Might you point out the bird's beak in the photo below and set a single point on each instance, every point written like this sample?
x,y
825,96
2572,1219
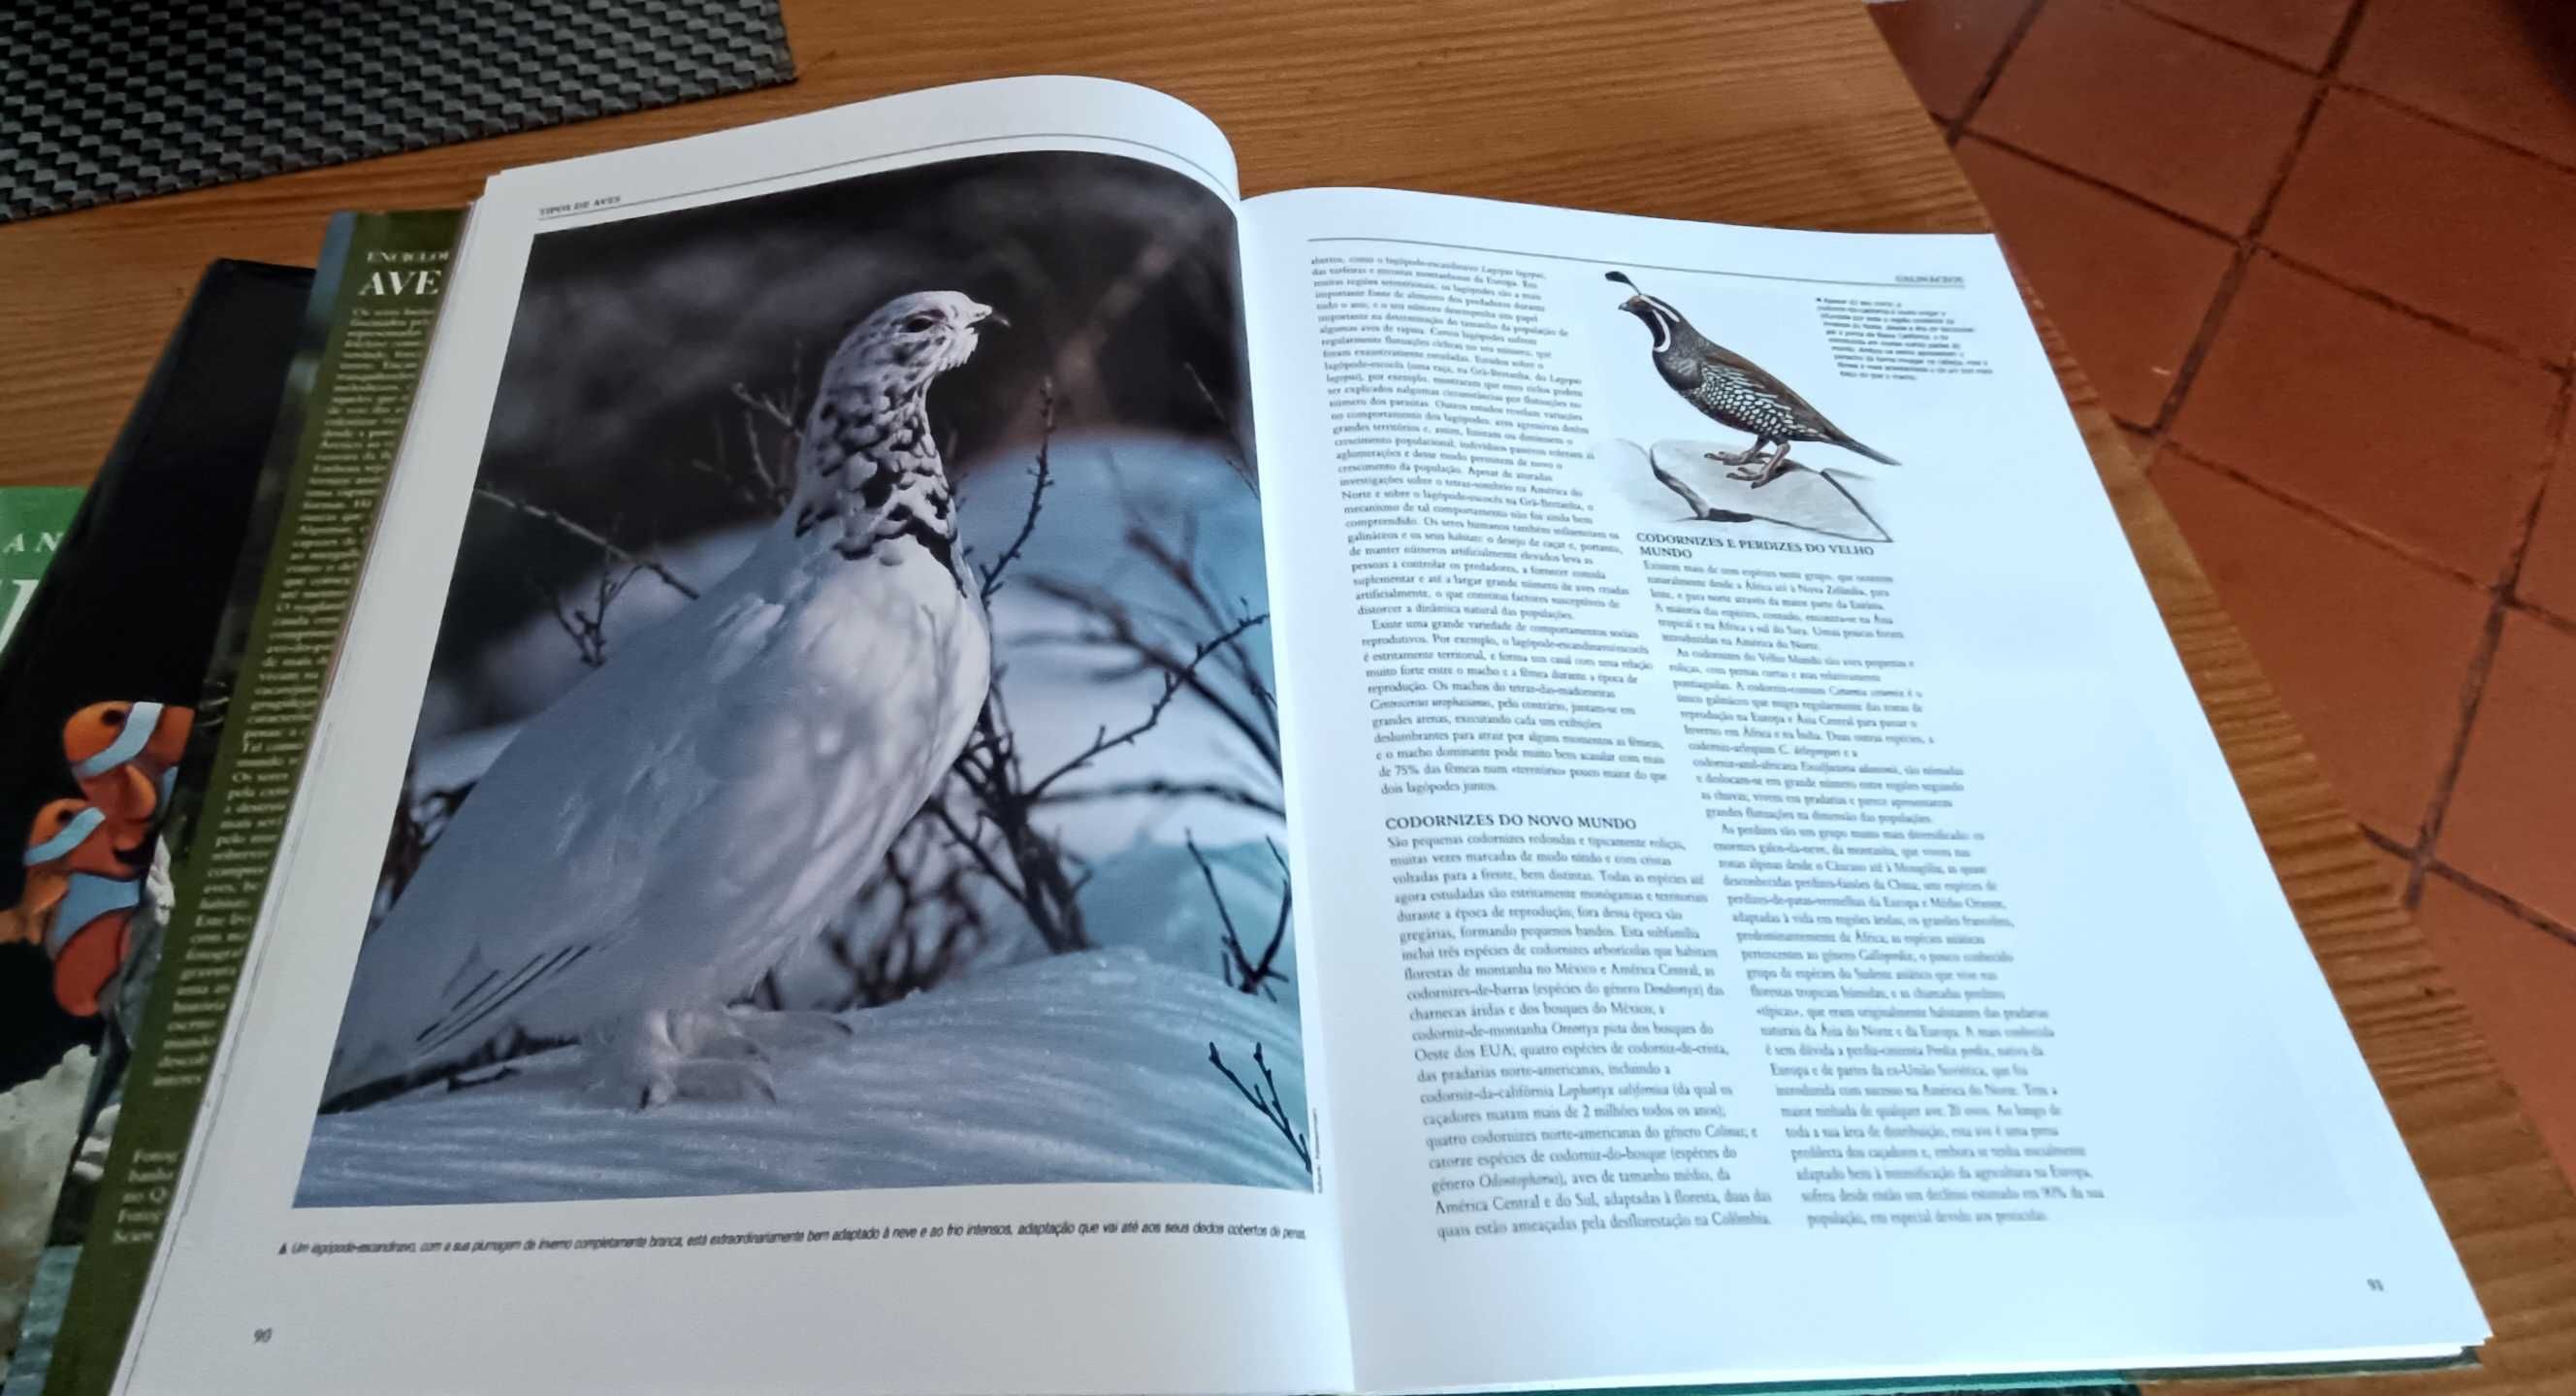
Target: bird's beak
x,y
993,317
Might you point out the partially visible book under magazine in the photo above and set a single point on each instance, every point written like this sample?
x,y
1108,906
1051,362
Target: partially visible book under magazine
x,y
942,757
164,587
32,520
42,1083
103,699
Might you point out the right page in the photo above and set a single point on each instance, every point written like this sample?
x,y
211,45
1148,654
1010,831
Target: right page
x,y
1783,912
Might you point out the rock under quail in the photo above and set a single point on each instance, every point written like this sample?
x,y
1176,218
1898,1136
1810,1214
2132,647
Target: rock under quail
x,y
1735,392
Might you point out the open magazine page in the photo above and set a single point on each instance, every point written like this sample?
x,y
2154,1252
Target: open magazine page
x,y
791,890
1791,917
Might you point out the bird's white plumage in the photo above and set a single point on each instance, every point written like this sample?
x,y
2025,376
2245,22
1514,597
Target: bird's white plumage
x,y
656,839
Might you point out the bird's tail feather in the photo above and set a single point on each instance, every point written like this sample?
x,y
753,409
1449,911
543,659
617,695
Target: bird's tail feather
x,y
1858,449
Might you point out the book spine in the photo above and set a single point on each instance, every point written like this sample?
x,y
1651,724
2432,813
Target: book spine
x,y
367,331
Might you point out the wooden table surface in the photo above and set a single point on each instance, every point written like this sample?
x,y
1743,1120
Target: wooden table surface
x,y
1783,112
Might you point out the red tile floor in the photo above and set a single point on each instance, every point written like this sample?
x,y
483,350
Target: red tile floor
x,y
2320,256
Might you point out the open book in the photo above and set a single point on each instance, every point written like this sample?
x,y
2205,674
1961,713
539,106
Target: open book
x,y
966,763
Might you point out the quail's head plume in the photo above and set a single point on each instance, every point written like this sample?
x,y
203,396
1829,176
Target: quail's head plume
x,y
1658,317
1734,392
868,458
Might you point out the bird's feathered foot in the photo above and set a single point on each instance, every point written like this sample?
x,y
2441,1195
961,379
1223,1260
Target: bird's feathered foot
x,y
642,1083
1732,457
662,1055
706,1053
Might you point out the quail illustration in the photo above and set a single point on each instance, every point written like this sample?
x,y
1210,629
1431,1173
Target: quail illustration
x,y
1735,392
654,841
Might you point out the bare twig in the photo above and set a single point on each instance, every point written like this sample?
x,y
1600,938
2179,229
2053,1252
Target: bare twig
x,y
1078,354
1232,943
776,410
1266,970
1178,674
758,496
545,515
1179,566
1265,1098
1233,455
935,925
589,629
972,841
1031,866
418,822
1119,630
1158,788
1242,972
1042,472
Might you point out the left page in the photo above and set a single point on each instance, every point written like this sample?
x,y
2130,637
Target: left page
x,y
790,891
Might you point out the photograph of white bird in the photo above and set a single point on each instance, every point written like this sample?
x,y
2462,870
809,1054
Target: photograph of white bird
x,y
655,840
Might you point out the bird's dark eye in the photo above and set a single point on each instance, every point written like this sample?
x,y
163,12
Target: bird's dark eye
x,y
920,324
113,717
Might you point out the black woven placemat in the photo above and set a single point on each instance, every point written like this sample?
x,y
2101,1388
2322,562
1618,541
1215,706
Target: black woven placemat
x,y
105,100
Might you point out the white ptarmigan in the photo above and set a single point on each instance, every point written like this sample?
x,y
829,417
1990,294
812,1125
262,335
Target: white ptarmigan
x,y
658,838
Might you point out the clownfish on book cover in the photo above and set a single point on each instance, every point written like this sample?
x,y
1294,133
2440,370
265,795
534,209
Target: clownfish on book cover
x,y
106,728
86,857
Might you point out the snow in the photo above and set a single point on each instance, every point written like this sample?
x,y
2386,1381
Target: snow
x,y
1061,695
1149,896
1090,1067
43,1321
39,1120
1153,898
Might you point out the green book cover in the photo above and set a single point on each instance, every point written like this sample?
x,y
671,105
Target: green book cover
x,y
33,519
